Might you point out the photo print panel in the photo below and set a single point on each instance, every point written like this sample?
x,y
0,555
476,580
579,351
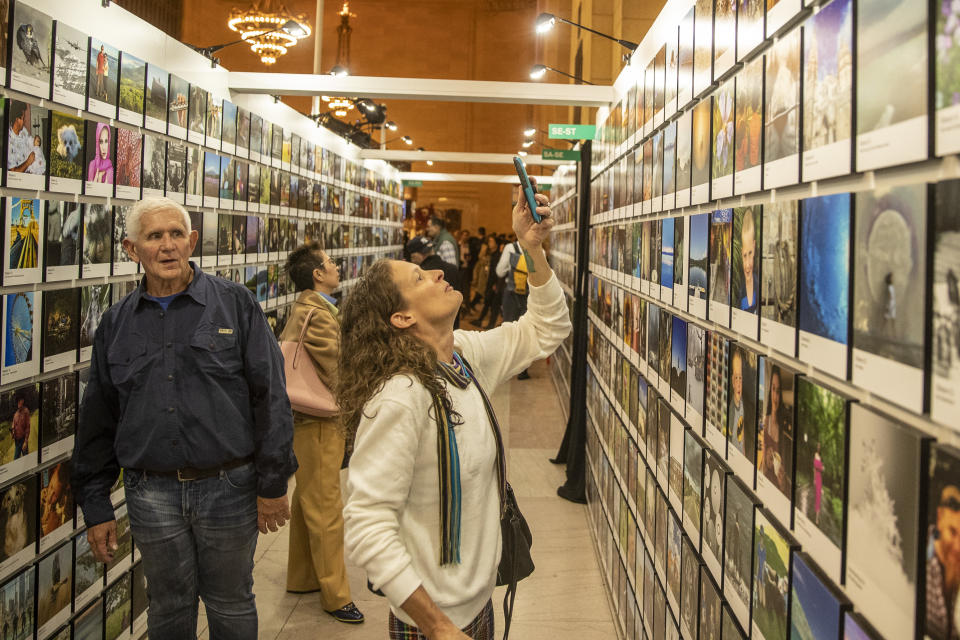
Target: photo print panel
x,y
197,114
65,151
659,79
87,573
940,560
669,166
702,47
663,443
685,60
58,415
208,239
122,557
53,590
780,13
778,272
676,479
27,132
195,176
243,133
56,505
21,318
684,157
211,179
97,240
891,116
665,291
31,53
648,101
781,129
771,580
176,188
718,375
855,627
692,497
678,366
138,600
681,250
689,589
256,137
227,170
947,88
133,82
99,175
742,413
123,264
94,302
890,277
821,474
214,121
154,165
653,344
721,230
69,66
746,272
155,98
664,351
750,27
89,624
721,164
196,224
816,605
241,176
696,375
129,163
724,37
178,107
238,245
103,78
748,134
828,91
647,176
229,127
698,270
701,147
738,549
776,441
886,466
253,187
670,85
24,230
61,322
276,147
224,238
18,615
715,474
711,604
18,515
286,151
945,320
117,598
824,293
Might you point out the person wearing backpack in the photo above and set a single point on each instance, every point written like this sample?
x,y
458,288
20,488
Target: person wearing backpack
x,y
512,266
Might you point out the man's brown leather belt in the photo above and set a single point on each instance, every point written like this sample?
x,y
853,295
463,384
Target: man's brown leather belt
x,y
187,474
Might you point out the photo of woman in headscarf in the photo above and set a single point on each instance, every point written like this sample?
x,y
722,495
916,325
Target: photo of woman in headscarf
x,y
100,168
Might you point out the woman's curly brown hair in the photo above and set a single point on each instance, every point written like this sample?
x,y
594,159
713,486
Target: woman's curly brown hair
x,y
372,350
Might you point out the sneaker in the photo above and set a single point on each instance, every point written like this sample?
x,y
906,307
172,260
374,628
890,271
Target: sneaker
x,y
348,613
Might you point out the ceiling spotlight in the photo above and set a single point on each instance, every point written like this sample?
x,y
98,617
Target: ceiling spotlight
x,y
521,153
421,149
532,130
545,22
537,71
429,163
407,139
527,144
391,125
369,106
295,29
338,70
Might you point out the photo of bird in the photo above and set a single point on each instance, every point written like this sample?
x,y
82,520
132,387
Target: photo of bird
x,y
28,44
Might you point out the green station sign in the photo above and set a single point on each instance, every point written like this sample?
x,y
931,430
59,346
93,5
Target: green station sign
x,y
413,183
572,131
561,154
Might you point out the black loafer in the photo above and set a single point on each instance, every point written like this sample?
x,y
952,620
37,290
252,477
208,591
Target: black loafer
x,y
348,614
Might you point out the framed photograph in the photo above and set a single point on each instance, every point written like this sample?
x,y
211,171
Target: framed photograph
x,y
243,132
947,81
18,516
887,462
21,319
179,96
771,583
828,92
665,292
855,627
718,356
211,179
214,121
669,166
229,127
61,315
738,549
103,74
18,610
659,79
778,272
824,293
681,250
731,628
724,37
742,413
225,192
31,56
746,270
775,437
942,510
748,133
87,573
684,157
253,187
123,264
698,265
176,170
816,606
276,146
692,492
945,369
286,150
99,160
89,624
94,302
647,200
195,176
696,375
53,590
58,415
154,164
122,556
672,58
133,82
23,231
664,350
56,505
208,239
702,47
197,114
97,240
890,276
721,171
781,129
256,137
138,600
118,613
224,238
65,152
689,589
678,366
750,27
27,131
721,229
891,116
780,13
69,66
701,147
155,97
715,474
711,603
685,60
129,163
239,243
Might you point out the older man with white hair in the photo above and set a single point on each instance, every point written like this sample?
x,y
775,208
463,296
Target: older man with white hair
x,y
187,396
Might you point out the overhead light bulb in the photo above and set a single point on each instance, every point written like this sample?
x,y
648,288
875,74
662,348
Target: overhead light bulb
x,y
407,139
545,22
340,113
429,163
529,133
369,106
537,71
522,153
391,125
294,28
527,144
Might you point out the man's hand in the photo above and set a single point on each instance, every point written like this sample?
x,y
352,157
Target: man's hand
x,y
103,540
531,234
272,513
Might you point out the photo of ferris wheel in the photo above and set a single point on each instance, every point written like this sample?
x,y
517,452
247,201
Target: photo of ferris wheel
x,y
24,234
18,330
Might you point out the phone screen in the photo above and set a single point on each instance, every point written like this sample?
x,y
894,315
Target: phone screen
x,y
527,186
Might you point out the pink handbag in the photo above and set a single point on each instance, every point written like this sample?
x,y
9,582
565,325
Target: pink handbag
x,y
304,388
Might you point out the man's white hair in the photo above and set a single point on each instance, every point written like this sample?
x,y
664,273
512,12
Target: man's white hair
x,y
152,205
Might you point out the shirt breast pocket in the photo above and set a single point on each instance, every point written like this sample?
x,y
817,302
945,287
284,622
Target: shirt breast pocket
x,y
128,364
215,352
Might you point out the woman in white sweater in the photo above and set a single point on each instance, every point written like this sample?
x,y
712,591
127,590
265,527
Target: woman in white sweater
x,y
403,367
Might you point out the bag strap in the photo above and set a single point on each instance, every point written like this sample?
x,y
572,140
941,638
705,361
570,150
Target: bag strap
x,y
303,333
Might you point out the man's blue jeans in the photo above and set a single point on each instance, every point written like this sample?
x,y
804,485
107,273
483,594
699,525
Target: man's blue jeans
x,y
197,539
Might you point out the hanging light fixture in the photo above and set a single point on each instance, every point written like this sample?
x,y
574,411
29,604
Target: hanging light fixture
x,y
269,28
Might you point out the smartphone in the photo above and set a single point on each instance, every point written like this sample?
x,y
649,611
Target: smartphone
x,y
527,186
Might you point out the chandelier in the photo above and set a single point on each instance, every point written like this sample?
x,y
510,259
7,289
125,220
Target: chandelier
x,y
341,106
269,28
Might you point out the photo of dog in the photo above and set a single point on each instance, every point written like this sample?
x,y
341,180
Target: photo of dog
x,y
18,513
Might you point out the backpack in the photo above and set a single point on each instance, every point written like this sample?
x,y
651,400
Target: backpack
x,y
518,264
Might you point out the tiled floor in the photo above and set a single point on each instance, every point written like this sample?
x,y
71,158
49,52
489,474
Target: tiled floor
x,y
564,598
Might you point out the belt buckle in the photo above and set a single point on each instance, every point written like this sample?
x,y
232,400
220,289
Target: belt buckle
x,y
182,478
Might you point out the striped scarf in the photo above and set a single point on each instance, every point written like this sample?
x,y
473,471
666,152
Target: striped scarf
x,y
459,375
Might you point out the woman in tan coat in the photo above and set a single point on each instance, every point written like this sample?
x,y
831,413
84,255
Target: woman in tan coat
x,y
481,271
315,562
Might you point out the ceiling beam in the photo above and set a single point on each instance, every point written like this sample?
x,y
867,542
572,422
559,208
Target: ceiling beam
x,y
412,155
386,88
425,176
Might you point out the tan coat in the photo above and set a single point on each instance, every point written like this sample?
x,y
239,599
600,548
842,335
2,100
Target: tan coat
x,y
322,340
481,271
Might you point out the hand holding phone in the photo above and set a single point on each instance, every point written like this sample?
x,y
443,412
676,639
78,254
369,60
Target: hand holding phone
x,y
529,191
